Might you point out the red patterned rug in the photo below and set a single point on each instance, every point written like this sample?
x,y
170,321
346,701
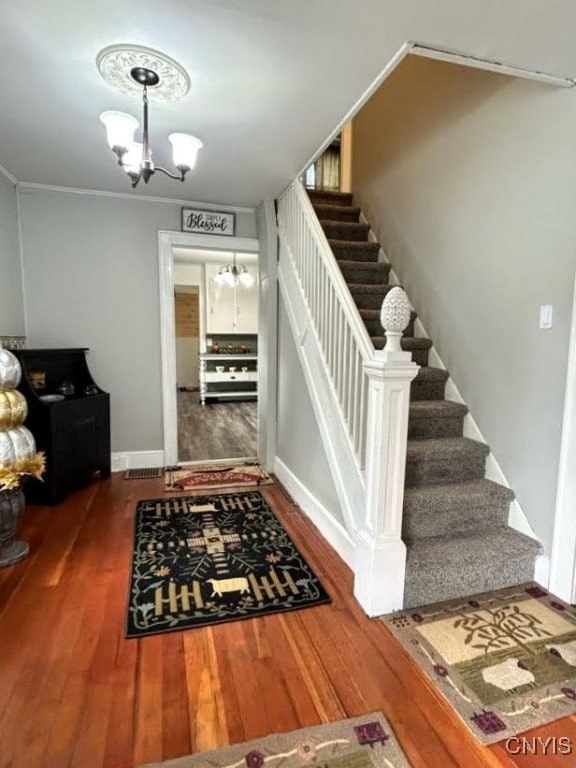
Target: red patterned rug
x,y
232,474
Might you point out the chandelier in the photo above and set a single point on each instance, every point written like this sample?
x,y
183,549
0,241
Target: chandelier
x,y
134,69
232,275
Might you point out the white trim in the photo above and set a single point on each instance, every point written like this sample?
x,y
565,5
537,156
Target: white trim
x,y
123,460
211,242
332,530
5,172
563,560
167,241
268,332
132,196
542,571
466,60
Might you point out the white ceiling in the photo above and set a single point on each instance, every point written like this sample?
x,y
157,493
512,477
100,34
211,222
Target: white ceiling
x,y
270,80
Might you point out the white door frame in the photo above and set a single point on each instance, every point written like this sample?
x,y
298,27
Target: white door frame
x,y
563,559
167,241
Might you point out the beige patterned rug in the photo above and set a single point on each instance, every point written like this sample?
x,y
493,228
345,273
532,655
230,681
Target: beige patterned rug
x,y
361,742
232,474
505,660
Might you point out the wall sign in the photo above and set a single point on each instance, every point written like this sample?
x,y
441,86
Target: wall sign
x,y
208,222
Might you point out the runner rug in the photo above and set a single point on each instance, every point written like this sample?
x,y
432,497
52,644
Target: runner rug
x,y
202,560
506,660
361,742
223,475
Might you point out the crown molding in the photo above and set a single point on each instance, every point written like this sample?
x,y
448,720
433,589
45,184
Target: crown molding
x,y
5,172
24,185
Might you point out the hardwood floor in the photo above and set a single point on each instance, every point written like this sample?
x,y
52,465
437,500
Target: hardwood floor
x,y
217,430
75,693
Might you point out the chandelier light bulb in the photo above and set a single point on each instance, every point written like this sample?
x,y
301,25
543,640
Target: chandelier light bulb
x,y
184,150
132,160
120,129
245,278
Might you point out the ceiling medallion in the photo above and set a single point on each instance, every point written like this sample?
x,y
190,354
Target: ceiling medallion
x,y
116,62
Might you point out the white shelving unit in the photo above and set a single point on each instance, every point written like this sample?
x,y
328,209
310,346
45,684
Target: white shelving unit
x,y
228,383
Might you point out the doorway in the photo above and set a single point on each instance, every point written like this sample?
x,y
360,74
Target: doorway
x,y
216,341
206,254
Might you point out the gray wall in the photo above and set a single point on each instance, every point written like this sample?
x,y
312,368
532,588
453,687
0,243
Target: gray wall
x,y
299,444
91,266
469,181
11,298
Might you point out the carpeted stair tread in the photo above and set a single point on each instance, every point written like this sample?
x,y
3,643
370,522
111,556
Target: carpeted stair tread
x,y
337,212
372,322
454,508
329,197
444,460
345,230
435,418
452,566
359,271
352,250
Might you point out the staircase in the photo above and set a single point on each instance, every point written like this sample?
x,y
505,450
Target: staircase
x,y
454,519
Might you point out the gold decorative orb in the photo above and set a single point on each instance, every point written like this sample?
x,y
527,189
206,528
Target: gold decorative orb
x,y
13,409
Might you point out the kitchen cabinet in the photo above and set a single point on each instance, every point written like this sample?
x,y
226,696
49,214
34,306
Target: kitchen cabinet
x,y
230,310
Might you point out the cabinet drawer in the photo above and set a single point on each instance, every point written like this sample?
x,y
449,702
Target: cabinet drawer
x,y
214,376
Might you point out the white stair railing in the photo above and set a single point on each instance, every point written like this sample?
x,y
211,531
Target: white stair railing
x,y
342,335
370,390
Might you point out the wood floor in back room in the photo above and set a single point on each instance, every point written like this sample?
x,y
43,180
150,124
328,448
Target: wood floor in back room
x,y
217,430
74,693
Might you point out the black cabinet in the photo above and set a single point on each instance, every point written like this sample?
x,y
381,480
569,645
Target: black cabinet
x,y
69,416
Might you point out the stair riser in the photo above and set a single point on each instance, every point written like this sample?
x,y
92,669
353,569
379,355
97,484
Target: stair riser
x,y
353,232
370,300
427,471
418,524
438,427
355,254
427,391
340,213
327,198
374,327
425,585
370,277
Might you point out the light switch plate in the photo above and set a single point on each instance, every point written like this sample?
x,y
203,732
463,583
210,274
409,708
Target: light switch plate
x,y
546,316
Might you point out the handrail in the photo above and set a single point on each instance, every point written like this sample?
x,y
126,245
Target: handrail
x,y
341,334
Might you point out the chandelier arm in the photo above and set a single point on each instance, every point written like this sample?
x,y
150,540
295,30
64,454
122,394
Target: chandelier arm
x,y
178,177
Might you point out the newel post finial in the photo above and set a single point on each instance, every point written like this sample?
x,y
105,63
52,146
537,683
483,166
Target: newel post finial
x,y
395,317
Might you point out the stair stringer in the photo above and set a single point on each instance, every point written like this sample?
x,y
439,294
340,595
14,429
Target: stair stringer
x,y
348,477
516,516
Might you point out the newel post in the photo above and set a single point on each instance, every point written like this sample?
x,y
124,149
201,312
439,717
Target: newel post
x,y
380,552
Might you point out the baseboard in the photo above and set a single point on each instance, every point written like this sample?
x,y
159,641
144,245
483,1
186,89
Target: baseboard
x,y
333,531
542,571
137,460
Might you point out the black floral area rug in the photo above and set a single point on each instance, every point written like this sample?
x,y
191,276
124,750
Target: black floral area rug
x,y
202,560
